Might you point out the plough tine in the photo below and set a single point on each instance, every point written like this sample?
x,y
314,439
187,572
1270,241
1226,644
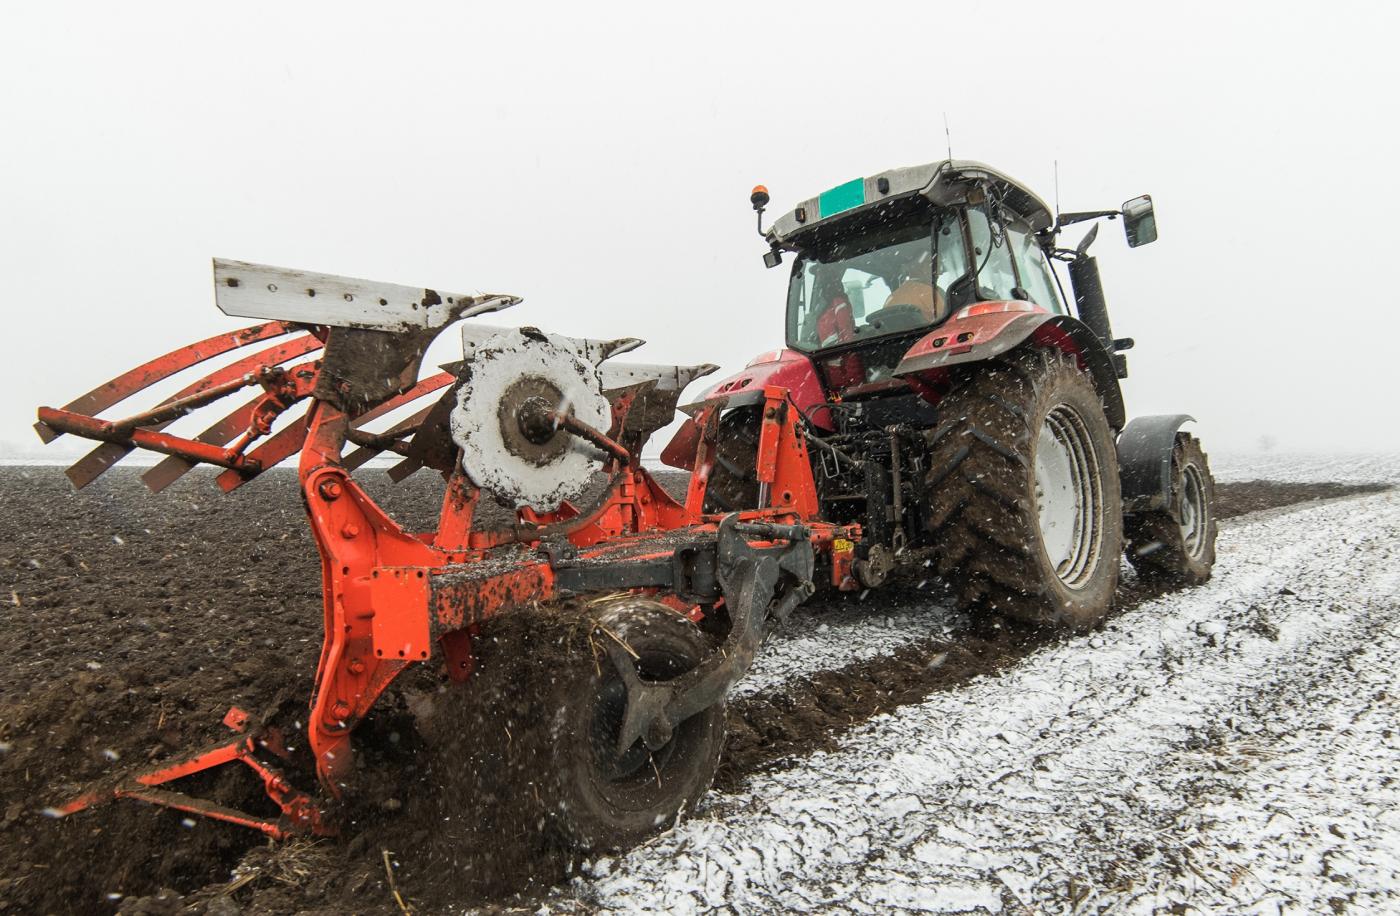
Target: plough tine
x,y
162,367
278,448
425,386
100,459
222,433
360,455
172,469
405,469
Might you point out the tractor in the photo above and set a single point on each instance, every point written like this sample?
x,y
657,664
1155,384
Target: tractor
x,y
955,407
935,399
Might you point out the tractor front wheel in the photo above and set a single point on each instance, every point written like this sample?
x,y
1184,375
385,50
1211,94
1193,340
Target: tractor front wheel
x,y
1177,546
1024,505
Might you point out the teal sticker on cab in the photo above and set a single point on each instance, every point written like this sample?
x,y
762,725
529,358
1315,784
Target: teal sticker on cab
x,y
841,198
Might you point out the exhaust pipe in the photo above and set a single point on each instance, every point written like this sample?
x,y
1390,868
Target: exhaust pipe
x,y
1089,299
1091,305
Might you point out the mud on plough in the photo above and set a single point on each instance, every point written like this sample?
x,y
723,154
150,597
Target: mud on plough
x,y
528,418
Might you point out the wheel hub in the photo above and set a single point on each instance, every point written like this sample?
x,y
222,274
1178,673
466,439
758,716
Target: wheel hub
x,y
1192,511
607,725
1067,495
525,431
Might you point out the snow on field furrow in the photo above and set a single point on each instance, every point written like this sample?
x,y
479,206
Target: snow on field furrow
x,y
819,639
1231,747
1297,468
852,632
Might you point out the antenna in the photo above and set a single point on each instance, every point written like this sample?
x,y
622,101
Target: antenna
x,y
949,134
1057,192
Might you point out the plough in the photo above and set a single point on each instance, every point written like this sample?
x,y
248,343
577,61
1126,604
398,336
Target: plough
x,y
529,418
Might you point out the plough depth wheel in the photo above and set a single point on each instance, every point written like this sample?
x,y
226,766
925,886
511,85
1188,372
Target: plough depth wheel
x,y
604,798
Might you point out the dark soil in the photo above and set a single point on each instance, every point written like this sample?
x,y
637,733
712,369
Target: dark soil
x,y
1233,499
134,621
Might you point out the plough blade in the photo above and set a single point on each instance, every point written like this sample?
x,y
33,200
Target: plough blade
x,y
375,328
666,377
595,350
260,291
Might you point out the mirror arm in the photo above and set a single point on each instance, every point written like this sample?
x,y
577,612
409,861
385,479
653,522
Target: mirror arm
x,y
1066,219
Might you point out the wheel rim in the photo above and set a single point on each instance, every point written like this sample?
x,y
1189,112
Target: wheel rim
x,y
1068,496
1193,511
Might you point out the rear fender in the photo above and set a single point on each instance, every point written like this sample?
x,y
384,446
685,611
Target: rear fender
x,y
988,329
1145,461
785,368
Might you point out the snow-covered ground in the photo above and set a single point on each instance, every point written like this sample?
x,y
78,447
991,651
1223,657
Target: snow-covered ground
x,y
821,639
1296,468
1228,749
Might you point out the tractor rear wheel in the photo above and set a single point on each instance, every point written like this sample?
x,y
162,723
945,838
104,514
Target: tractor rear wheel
x,y
734,477
1023,502
603,799
1177,547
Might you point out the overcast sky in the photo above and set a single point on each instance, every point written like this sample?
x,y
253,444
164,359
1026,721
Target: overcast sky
x,y
598,160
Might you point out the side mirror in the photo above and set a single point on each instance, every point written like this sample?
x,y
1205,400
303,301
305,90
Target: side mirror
x,y
1139,222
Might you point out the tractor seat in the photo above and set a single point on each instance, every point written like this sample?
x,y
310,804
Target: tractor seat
x,y
924,296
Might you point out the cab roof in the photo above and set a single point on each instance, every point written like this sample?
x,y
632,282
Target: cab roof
x,y
945,183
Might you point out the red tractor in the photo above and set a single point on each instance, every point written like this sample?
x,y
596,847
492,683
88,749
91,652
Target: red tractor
x,y
935,396
954,404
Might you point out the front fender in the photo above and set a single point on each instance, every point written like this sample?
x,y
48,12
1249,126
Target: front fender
x,y
786,368
988,329
1145,461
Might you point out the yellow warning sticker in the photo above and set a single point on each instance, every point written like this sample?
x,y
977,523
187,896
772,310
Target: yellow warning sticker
x,y
841,545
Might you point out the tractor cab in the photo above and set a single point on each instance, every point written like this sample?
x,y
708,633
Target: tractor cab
x,y
881,261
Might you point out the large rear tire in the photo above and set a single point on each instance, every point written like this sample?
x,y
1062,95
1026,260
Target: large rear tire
x,y
1023,505
605,801
1177,548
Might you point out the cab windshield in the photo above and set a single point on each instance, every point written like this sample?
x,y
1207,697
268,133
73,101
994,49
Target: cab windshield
x,y
878,283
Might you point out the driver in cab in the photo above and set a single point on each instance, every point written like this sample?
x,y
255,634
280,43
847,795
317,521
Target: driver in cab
x,y
916,288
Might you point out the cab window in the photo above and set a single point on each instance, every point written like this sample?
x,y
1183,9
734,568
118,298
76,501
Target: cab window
x,y
883,282
991,255
862,287
1036,278
950,254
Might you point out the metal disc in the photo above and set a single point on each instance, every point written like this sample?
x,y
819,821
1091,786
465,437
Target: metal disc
x,y
503,455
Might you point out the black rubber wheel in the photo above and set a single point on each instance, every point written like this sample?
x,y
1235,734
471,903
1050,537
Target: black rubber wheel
x,y
1178,548
601,800
1023,506
734,476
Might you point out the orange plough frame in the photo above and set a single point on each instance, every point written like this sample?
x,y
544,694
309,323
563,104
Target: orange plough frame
x,y
393,598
